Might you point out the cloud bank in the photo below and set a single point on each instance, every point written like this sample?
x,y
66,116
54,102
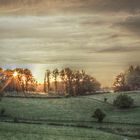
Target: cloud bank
x,y
94,35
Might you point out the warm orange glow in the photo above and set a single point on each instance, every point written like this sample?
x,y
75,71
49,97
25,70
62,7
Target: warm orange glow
x,y
52,80
15,74
59,80
24,79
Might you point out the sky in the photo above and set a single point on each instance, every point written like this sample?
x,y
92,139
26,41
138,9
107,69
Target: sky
x,y
99,36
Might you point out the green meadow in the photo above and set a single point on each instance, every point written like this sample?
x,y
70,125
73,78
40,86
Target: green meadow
x,y
68,118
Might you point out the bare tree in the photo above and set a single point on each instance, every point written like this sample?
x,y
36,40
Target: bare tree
x,y
28,78
45,84
55,76
63,79
68,74
48,73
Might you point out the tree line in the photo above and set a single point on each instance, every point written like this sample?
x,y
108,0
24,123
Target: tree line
x,y
73,82
128,80
18,79
66,81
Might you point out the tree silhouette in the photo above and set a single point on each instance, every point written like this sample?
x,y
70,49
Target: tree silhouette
x,y
20,77
45,84
55,76
63,79
1,76
48,74
28,78
73,82
133,77
119,84
69,76
1,69
77,82
129,80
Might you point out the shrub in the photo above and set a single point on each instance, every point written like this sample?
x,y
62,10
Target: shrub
x,y
99,115
123,101
105,99
16,120
68,95
2,111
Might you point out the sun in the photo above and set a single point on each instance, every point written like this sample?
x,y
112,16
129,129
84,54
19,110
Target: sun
x,y
15,74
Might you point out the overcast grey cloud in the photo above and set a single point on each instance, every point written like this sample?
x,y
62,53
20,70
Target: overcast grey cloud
x,y
119,49
94,35
131,23
55,6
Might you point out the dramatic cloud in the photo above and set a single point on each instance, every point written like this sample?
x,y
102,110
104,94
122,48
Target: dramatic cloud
x,y
94,35
132,24
119,5
119,49
56,6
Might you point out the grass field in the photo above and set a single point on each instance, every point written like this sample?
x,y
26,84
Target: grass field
x,y
45,132
73,115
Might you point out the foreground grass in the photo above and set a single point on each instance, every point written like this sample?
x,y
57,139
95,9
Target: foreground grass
x,y
12,131
67,111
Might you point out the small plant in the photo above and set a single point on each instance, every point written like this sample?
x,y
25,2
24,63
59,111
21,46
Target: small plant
x,y
1,95
123,101
68,95
105,99
99,115
2,112
16,120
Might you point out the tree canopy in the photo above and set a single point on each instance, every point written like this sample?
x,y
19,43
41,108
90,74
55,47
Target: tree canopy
x,y
128,80
23,80
73,82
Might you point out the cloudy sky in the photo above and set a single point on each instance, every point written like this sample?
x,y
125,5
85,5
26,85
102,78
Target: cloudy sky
x,y
99,36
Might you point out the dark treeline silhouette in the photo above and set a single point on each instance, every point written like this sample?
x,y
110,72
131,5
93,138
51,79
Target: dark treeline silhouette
x,y
18,79
65,81
72,82
128,80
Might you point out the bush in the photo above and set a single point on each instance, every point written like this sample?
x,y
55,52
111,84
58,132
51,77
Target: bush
x,y
16,120
2,111
99,115
105,99
67,96
123,101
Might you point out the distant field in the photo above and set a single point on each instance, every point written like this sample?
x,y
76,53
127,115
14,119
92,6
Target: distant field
x,y
135,95
74,108
74,111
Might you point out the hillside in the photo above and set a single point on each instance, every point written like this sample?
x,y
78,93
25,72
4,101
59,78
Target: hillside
x,y
72,113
